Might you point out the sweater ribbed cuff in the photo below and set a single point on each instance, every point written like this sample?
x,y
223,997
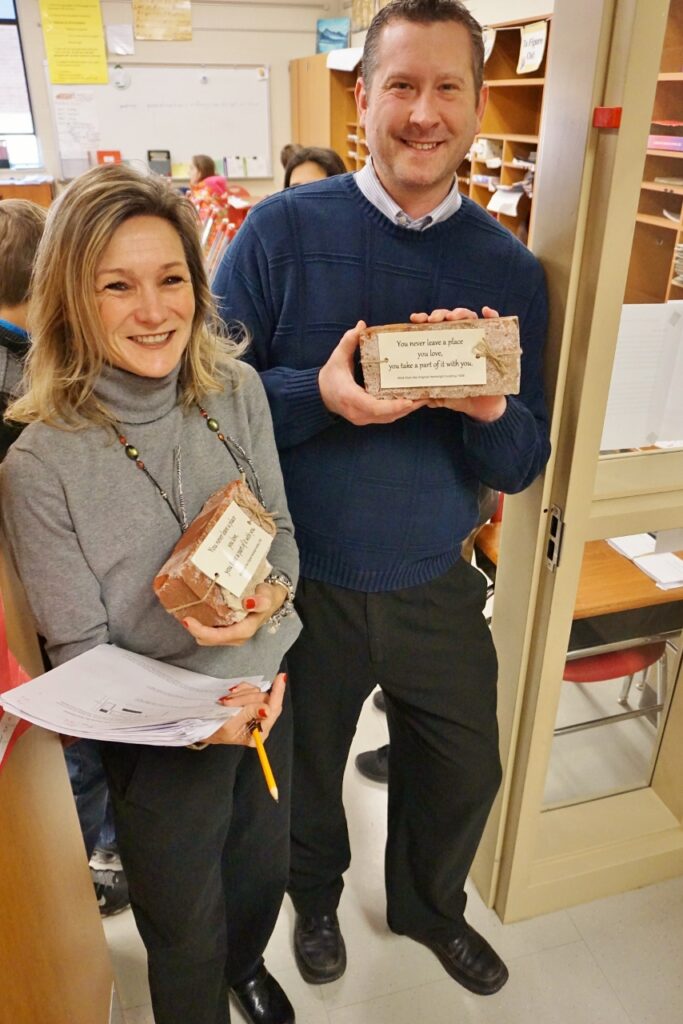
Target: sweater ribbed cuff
x,y
304,394
506,430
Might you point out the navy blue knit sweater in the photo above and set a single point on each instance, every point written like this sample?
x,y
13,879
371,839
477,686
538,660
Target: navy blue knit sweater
x,y
380,507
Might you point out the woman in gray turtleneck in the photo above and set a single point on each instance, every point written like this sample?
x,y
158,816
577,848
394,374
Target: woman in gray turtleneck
x,y
123,354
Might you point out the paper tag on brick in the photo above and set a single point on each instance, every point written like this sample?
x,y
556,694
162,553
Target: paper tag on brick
x,y
233,550
428,358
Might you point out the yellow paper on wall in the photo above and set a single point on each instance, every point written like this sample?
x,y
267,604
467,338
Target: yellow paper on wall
x,y
74,42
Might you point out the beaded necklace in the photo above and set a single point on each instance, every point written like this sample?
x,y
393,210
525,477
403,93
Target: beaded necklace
x,y
233,448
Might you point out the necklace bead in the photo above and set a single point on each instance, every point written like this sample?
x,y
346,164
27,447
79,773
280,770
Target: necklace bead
x,y
134,455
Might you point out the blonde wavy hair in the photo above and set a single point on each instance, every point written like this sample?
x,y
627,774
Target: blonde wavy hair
x,y
67,338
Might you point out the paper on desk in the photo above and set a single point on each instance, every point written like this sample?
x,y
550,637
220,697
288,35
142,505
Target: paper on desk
x,y
111,694
634,545
666,569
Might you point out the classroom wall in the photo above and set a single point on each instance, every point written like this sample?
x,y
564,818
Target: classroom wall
x,y
488,12
492,12
268,32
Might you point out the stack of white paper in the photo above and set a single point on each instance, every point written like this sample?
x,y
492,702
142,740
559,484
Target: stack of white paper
x,y
634,545
666,569
111,694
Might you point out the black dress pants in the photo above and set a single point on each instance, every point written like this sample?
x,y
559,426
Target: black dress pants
x,y
205,849
430,650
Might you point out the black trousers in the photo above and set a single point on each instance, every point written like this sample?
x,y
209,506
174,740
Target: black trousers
x,y
205,849
431,651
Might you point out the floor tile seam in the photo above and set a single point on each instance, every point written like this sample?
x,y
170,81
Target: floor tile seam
x,y
611,987
577,940
384,995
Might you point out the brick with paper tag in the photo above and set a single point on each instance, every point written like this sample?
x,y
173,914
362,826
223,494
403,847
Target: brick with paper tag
x,y
453,359
219,560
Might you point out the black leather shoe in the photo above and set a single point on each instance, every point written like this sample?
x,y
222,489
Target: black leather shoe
x,y
262,1000
319,948
374,764
378,700
471,961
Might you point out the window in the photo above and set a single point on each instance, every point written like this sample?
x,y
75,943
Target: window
x,y
18,143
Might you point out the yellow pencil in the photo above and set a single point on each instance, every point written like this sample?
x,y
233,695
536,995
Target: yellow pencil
x,y
255,729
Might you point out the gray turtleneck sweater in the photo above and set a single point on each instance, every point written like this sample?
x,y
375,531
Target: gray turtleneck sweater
x,y
88,531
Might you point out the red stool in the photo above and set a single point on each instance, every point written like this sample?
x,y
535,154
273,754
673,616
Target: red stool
x,y
626,663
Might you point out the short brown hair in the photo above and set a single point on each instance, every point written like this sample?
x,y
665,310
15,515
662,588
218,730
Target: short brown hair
x,y
289,150
327,159
423,12
67,344
21,228
206,165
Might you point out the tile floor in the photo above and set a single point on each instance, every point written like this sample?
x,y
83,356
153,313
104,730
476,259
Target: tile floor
x,y
615,961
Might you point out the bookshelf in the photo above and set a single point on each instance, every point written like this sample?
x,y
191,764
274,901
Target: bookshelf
x,y
324,114
511,123
659,221
324,109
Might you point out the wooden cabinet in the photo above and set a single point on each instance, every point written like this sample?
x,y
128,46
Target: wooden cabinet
x,y
653,275
324,109
40,194
511,123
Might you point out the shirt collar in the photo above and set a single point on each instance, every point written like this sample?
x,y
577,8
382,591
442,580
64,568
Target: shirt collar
x,y
375,193
14,328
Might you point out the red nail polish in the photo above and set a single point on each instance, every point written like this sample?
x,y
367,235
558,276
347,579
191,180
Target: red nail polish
x,y
284,677
184,623
250,603
262,713
236,687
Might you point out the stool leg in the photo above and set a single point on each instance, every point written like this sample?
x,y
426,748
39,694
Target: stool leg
x,y
623,696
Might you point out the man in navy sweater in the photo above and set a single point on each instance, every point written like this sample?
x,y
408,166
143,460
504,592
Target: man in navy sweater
x,y
383,492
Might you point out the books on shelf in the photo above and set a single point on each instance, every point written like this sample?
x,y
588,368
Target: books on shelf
x,y
674,143
666,135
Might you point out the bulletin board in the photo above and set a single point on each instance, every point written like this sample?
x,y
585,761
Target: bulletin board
x,y
187,109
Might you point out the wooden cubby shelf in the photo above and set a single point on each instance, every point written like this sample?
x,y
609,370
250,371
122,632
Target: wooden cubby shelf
x,y
652,265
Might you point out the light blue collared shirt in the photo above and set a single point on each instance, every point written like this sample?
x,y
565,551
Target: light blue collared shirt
x,y
375,193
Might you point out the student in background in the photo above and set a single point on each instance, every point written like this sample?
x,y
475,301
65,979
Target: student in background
x,y
21,228
203,176
313,164
287,152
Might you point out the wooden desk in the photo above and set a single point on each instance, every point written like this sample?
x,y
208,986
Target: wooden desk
x,y
41,193
615,599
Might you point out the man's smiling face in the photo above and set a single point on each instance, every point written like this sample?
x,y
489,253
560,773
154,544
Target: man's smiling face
x,y
420,110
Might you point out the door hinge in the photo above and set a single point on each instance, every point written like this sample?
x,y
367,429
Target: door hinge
x,y
555,533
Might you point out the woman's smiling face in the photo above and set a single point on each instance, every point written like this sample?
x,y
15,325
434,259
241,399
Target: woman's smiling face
x,y
145,297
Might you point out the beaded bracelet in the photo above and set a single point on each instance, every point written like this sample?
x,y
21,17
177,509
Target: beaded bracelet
x,y
273,623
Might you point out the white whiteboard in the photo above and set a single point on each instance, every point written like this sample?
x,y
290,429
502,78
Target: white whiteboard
x,y
222,111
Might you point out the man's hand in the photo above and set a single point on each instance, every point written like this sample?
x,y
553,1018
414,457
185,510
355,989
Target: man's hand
x,y
485,408
342,396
